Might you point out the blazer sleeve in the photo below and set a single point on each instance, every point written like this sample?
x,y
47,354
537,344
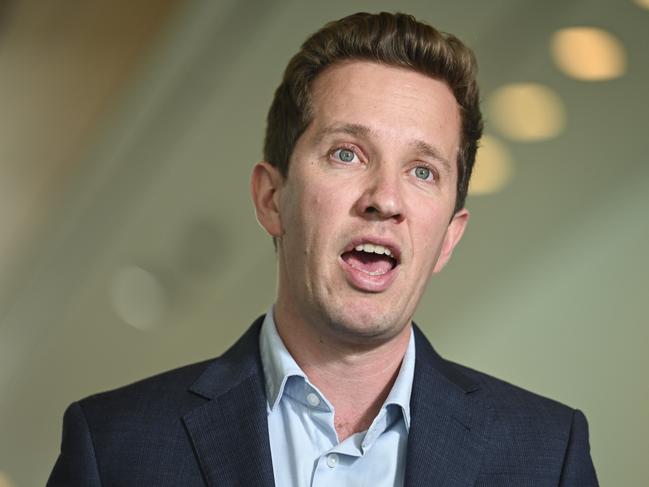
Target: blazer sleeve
x,y
77,464
578,469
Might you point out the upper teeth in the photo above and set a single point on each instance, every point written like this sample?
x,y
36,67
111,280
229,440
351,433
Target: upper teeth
x,y
377,249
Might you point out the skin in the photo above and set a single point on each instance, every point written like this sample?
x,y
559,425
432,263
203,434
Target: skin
x,y
376,163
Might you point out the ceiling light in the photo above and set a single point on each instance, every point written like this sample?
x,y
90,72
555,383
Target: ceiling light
x,y
588,53
526,112
493,167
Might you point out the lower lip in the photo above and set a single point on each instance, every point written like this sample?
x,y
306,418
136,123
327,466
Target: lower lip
x,y
367,282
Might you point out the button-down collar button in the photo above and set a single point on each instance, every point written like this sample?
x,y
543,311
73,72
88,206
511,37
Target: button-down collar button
x,y
313,399
332,460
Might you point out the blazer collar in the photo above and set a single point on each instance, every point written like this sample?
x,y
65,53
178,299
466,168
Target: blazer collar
x,y
447,437
230,431
446,441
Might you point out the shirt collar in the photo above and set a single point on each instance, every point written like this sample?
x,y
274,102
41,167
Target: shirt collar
x,y
279,366
277,362
400,393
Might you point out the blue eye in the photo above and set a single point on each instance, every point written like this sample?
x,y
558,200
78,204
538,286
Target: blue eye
x,y
345,155
423,173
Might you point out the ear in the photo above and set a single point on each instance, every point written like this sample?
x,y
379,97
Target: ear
x,y
452,236
265,185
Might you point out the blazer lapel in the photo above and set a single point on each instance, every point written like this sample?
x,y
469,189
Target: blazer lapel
x,y
447,436
230,432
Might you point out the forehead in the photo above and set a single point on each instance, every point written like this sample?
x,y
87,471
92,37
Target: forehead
x,y
397,105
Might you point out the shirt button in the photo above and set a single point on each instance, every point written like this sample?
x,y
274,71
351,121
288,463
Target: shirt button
x,y
313,399
332,460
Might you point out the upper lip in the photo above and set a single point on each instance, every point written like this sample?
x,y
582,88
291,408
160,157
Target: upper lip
x,y
385,242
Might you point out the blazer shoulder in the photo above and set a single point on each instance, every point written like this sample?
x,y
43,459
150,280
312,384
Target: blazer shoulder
x,y
518,406
173,393
531,430
494,393
167,392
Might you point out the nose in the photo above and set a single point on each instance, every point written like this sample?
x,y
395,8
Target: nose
x,y
382,196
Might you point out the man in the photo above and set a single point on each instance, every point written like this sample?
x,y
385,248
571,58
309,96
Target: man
x,y
369,147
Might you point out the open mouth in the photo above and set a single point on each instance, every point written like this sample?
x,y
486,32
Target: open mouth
x,y
372,259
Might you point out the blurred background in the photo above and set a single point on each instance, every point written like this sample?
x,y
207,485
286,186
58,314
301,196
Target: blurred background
x,y
128,243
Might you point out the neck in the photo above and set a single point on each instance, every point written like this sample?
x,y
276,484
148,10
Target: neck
x,y
355,379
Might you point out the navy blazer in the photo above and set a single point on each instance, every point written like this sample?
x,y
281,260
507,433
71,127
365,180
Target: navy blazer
x,y
206,424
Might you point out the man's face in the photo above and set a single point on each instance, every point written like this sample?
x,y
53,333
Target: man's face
x,y
375,167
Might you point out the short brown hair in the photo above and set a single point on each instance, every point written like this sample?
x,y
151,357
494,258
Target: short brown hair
x,y
393,39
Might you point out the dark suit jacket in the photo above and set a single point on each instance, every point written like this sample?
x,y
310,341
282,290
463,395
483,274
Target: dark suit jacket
x,y
206,424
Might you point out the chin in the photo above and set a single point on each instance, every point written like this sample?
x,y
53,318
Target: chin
x,y
365,325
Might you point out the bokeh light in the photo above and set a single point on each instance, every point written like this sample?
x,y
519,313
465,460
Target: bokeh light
x,y
493,167
4,480
526,112
138,297
588,53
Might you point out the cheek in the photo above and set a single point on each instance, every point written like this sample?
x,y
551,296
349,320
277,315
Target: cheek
x,y
315,221
430,238
305,213
320,205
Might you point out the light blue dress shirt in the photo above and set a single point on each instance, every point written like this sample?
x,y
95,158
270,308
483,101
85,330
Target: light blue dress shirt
x,y
303,440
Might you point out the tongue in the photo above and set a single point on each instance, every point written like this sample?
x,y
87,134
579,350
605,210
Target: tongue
x,y
368,262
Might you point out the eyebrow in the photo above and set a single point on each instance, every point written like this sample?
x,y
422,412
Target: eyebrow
x,y
359,130
433,152
355,129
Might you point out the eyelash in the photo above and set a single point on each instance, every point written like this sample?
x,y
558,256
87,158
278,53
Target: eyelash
x,y
433,172
350,148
